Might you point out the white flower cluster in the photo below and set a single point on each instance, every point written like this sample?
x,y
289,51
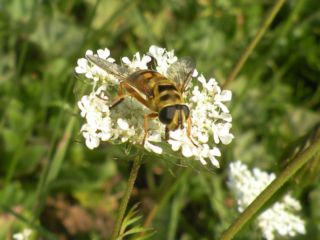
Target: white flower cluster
x,y
279,218
24,235
211,120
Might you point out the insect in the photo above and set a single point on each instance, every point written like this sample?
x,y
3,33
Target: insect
x,y
162,95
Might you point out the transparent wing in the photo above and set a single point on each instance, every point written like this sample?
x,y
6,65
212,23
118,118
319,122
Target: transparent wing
x,y
181,72
111,68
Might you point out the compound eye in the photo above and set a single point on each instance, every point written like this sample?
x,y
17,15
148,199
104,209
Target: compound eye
x,y
166,114
186,111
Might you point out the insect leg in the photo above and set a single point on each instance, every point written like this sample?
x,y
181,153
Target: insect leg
x,y
120,97
166,134
118,100
189,122
136,94
145,124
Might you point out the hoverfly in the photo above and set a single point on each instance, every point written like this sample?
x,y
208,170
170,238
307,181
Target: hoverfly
x,y
162,95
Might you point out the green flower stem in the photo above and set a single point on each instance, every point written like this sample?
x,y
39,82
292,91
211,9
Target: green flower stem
x,y
254,42
284,176
126,197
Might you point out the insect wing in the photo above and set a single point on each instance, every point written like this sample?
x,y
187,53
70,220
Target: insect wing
x,y
181,72
111,68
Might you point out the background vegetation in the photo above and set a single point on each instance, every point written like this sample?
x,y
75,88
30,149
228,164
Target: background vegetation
x,y
49,180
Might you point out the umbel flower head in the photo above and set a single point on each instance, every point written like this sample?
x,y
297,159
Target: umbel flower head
x,y
280,218
211,120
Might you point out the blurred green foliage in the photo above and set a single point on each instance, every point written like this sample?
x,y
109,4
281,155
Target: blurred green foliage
x,y
50,182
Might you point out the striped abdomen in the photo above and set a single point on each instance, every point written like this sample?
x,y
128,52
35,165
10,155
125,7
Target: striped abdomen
x,y
158,90
166,94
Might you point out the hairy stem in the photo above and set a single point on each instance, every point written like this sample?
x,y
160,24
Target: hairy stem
x,y
126,197
254,42
284,176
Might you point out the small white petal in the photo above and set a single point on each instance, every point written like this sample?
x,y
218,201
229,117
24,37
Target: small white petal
x,y
222,107
202,79
226,95
146,59
24,235
82,62
216,137
123,124
80,70
175,145
89,52
202,160
227,139
195,73
92,142
186,151
104,54
125,60
153,148
226,117
215,152
214,162
203,137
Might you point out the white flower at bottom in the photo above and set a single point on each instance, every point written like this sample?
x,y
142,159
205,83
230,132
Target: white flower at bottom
x,y
279,218
24,235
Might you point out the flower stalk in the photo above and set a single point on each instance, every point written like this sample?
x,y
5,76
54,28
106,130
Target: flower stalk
x,y
126,197
258,203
